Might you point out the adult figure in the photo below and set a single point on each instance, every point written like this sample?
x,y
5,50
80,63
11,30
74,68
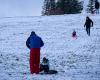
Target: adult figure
x,y
97,6
88,24
34,43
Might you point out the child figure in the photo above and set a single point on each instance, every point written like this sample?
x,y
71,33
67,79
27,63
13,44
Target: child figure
x,y
44,66
74,34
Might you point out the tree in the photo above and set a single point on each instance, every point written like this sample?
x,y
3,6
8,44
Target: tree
x,y
61,7
90,8
45,7
69,6
48,7
72,7
52,7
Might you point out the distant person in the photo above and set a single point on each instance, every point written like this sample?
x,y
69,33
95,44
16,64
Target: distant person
x,y
88,24
34,43
97,6
74,34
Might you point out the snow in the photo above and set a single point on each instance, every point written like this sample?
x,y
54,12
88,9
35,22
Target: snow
x,y
74,59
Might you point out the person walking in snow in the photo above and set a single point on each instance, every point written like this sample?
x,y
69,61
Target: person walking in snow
x,y
88,24
97,6
74,34
34,43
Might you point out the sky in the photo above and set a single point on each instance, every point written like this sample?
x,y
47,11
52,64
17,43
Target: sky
x,y
20,8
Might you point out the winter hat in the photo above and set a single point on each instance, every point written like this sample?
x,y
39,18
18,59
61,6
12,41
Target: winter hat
x,y
32,33
45,59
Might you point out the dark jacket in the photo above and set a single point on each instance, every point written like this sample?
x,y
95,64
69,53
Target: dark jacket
x,y
34,41
88,23
97,5
44,66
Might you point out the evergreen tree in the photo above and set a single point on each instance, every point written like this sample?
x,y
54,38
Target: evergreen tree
x,y
69,6
61,7
48,7
45,7
90,8
72,7
52,7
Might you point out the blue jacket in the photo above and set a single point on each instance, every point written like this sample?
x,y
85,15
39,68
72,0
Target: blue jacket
x,y
34,41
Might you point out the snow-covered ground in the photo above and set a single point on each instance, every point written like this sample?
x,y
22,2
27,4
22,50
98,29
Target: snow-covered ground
x,y
74,59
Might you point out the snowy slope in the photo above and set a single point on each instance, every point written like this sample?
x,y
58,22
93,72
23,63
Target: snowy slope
x,y
75,59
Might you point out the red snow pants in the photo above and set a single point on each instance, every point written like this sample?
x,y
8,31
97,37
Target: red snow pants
x,y
35,60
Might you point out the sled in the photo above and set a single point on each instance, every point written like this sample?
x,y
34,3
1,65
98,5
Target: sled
x,y
49,72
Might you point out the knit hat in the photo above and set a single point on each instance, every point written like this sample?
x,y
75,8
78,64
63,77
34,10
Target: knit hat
x,y
32,33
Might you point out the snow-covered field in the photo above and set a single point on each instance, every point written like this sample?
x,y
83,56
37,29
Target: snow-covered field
x,y
74,59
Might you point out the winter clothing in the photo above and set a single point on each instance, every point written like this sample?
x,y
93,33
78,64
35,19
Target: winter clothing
x,y
74,34
88,24
97,6
34,43
44,65
34,60
45,68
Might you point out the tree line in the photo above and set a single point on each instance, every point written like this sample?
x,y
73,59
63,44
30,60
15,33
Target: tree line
x,y
58,7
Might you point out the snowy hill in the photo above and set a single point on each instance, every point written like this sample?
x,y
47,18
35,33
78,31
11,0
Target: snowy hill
x,y
74,59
